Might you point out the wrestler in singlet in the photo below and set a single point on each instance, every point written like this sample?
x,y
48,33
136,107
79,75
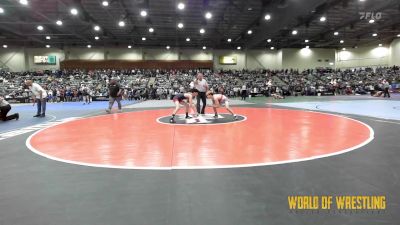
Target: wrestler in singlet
x,y
179,97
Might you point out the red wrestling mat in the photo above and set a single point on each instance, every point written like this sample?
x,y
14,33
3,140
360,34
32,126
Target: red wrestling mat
x,y
135,140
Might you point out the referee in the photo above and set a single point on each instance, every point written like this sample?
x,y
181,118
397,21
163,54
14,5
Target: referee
x,y
5,107
201,84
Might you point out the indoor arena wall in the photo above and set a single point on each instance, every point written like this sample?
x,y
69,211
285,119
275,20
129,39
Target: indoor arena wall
x,y
394,50
362,57
21,59
12,59
31,52
307,58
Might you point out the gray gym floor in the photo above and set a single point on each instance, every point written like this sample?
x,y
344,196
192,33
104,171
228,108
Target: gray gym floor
x,y
37,191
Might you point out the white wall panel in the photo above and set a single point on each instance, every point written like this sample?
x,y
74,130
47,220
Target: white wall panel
x,y
12,59
363,57
307,58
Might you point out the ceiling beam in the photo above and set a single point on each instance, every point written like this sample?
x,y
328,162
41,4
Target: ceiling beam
x,y
319,11
282,16
373,7
20,35
264,9
86,17
49,22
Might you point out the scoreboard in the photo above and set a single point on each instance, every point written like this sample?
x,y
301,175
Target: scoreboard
x,y
45,60
227,60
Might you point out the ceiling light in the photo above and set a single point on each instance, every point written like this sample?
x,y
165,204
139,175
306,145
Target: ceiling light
x,y
143,13
208,15
23,2
362,0
341,41
96,38
202,31
59,22
272,48
229,40
89,46
269,40
322,19
1,10
374,34
105,3
48,37
121,23
398,35
336,33
168,47
307,46
96,28
143,38
40,27
371,21
47,46
267,17
151,30
306,41
249,32
343,49
380,45
204,47
331,63
129,46
74,11
238,48
180,25
181,6
5,46
187,39
294,32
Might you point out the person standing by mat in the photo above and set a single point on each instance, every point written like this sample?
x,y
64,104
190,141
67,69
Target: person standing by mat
x,y
5,107
244,92
39,96
185,99
202,86
115,94
386,87
86,95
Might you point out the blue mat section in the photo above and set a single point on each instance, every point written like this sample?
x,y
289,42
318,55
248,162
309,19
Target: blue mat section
x,y
54,111
384,109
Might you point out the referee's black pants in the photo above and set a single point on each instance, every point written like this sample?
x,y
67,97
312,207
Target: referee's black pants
x,y
3,113
203,97
386,93
244,94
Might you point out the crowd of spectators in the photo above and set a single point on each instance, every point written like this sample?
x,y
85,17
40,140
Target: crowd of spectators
x,y
162,84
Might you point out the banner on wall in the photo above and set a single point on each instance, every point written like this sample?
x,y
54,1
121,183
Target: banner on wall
x,y
45,60
227,60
